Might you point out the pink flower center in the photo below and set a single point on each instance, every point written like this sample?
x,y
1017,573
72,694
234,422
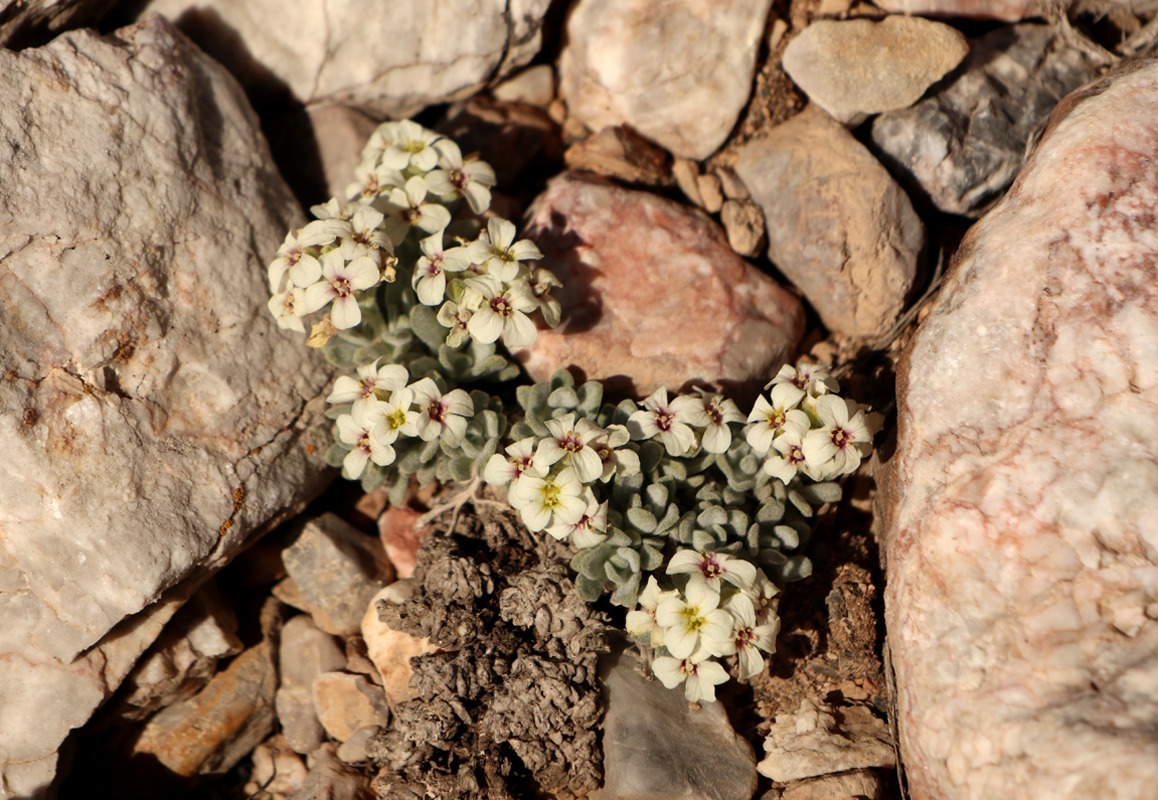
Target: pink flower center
x,y
520,464
664,419
436,411
502,306
457,179
341,286
570,442
366,388
710,567
795,455
841,437
713,411
744,637
776,419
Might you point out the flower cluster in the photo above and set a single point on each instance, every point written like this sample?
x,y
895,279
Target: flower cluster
x,y
803,427
409,180
549,479
719,606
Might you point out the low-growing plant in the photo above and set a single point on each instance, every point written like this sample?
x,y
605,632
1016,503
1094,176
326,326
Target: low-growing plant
x,y
685,510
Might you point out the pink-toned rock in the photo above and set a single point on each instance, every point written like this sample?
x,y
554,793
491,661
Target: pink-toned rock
x,y
305,651
400,539
1021,504
838,225
391,650
653,295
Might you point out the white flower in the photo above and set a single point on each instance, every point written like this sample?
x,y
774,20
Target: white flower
x,y
395,417
441,415
503,313
499,253
547,500
586,531
339,284
713,567
364,231
698,672
810,378
749,637
788,458
570,442
765,598
288,308
457,316
623,462
641,622
542,281
471,179
407,207
767,419
520,457
355,429
668,420
372,180
844,439
713,413
294,258
372,380
429,279
411,145
696,620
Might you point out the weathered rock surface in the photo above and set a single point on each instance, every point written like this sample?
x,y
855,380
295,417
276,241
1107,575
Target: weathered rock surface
x,y
277,770
678,72
621,153
534,86
838,225
304,652
858,67
656,745
818,739
349,51
964,145
333,780
1021,504
346,703
861,784
631,311
153,415
400,539
336,570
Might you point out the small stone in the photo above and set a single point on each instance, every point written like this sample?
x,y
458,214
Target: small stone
x,y
277,770
686,174
631,315
329,778
209,733
1001,10
1020,508
819,739
711,195
184,657
337,569
964,145
859,67
353,750
319,147
288,592
399,538
347,702
534,86
304,653
682,83
744,222
508,136
621,153
656,745
838,225
734,188
391,650
861,784
422,53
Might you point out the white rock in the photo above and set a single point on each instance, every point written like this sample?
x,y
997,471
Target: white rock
x,y
1021,507
858,67
818,739
534,86
682,83
152,416
394,61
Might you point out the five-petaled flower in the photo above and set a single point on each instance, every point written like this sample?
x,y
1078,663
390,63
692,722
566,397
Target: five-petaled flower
x,y
441,414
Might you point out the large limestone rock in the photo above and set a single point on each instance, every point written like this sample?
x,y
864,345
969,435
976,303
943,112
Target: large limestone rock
x,y
1022,498
153,418
678,71
391,59
652,295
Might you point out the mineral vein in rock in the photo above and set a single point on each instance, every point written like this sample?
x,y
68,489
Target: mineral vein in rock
x,y
1022,500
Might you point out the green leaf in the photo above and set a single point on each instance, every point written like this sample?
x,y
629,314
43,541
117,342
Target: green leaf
x,y
373,476
789,538
588,589
590,398
563,397
424,321
560,378
461,468
336,453
642,519
712,515
817,493
800,502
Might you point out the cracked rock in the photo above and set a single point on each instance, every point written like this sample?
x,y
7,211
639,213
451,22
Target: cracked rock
x,y
154,418
512,705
